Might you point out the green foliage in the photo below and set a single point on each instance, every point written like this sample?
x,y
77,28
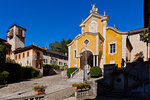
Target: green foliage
x,y
14,72
51,66
95,72
4,75
81,85
55,66
64,67
8,60
39,88
139,57
2,53
60,46
145,36
70,71
29,72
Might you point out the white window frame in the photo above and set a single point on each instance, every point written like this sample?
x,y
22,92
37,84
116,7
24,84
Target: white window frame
x,y
115,48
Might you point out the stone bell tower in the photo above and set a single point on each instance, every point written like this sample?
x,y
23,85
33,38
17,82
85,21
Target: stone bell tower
x,y
16,36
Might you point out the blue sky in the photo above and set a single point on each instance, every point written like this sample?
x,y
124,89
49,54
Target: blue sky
x,y
50,20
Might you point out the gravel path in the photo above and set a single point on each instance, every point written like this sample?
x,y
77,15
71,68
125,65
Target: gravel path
x,y
24,88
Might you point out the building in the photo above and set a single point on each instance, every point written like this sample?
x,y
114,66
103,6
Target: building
x,y
100,44
53,57
31,55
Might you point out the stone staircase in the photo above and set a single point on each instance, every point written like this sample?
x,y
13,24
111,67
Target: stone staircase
x,y
77,78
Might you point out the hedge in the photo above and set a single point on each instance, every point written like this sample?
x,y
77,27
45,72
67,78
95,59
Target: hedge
x,y
95,72
70,71
14,71
29,72
17,72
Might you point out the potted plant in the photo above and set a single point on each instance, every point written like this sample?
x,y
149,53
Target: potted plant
x,y
39,89
75,86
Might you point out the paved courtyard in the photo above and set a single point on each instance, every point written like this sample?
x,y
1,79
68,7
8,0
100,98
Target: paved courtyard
x,y
25,88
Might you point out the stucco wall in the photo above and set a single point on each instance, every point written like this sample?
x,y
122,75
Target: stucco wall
x,y
113,37
138,46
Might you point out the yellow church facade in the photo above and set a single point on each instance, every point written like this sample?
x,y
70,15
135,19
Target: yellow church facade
x,y
98,44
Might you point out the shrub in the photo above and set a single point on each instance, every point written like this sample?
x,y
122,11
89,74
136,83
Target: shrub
x,y
95,72
64,67
8,60
4,75
29,72
46,69
2,53
81,85
14,72
55,66
70,71
39,88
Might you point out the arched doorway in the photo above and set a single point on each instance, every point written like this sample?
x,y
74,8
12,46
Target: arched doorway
x,y
86,58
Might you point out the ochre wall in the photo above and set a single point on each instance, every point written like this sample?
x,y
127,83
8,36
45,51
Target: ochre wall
x,y
81,47
113,37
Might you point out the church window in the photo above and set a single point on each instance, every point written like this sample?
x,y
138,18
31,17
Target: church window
x,y
86,41
75,53
113,48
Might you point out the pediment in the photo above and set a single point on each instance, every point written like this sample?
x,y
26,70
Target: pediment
x,y
95,15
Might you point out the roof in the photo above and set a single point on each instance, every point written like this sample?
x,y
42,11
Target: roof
x,y
28,48
146,13
2,40
55,52
5,42
17,26
131,32
137,31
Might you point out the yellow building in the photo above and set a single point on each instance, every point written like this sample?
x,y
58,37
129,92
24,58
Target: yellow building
x,y
99,44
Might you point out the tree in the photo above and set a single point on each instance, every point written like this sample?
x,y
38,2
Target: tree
x,y
60,46
145,38
2,54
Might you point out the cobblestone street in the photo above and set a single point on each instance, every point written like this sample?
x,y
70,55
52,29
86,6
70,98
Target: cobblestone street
x,y
25,88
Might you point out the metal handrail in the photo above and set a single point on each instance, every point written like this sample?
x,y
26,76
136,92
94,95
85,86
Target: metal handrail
x,y
74,73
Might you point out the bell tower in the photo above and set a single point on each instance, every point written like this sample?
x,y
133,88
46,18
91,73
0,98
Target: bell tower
x,y
16,36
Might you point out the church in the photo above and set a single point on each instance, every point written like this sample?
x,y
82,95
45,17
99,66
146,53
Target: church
x,y
100,44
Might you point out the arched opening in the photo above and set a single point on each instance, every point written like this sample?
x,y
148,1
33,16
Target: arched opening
x,y
86,58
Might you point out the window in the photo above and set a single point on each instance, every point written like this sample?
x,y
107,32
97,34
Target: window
x,y
19,56
60,63
65,64
16,57
55,62
51,62
23,55
113,48
19,32
45,60
27,54
75,52
44,53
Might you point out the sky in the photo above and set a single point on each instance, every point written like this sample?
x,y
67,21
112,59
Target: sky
x,y
48,21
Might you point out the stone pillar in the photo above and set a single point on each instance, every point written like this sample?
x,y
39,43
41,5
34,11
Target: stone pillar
x,y
93,60
97,60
